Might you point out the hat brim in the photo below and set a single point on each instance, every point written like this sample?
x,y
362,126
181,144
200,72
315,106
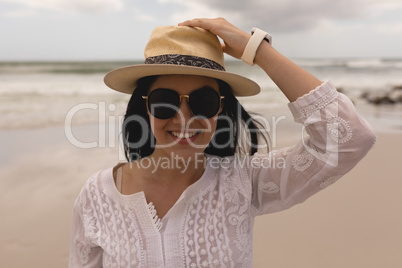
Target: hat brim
x,y
125,79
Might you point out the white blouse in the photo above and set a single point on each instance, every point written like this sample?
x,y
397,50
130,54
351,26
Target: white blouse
x,y
211,224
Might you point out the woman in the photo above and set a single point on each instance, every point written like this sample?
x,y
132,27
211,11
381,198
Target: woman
x,y
190,191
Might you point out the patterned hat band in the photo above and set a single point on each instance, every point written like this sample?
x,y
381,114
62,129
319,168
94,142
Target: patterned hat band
x,y
186,60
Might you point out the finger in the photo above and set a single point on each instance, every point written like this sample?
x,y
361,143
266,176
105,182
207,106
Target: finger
x,y
223,45
191,23
207,24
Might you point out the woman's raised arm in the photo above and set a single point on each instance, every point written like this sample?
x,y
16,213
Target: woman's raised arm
x,y
291,79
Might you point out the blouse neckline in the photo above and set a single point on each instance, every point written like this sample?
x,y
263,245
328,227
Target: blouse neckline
x,y
202,185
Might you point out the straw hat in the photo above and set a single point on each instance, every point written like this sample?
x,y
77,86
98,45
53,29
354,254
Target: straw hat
x,y
181,50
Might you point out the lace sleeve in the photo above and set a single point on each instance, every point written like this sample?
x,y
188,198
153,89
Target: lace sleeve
x,y
337,139
83,253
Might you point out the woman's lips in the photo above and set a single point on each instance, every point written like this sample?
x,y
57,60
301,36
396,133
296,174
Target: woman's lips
x,y
184,137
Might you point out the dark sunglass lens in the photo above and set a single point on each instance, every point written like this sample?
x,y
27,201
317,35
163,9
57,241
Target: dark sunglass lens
x,y
163,103
205,102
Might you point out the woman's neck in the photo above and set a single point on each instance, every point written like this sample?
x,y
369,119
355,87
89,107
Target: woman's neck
x,y
171,170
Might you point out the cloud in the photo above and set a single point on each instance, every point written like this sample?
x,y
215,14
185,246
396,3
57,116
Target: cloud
x,y
22,13
86,6
145,18
283,15
387,28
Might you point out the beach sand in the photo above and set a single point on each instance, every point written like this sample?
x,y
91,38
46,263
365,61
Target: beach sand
x,y
354,223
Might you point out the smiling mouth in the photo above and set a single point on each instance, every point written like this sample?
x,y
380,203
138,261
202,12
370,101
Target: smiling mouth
x,y
184,135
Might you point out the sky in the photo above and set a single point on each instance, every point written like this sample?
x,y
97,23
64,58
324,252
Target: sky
x,y
41,30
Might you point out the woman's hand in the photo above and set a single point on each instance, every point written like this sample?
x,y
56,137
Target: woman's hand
x,y
290,78
235,40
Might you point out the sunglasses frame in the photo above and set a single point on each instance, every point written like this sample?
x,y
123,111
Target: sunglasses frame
x,y
187,96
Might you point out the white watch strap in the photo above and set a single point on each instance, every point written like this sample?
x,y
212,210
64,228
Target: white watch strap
x,y
267,35
257,37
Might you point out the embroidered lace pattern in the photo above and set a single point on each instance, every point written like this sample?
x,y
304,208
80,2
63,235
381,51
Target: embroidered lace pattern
x,y
154,216
269,187
305,111
218,225
110,226
206,239
267,161
83,252
302,161
339,130
287,151
237,196
211,225
329,181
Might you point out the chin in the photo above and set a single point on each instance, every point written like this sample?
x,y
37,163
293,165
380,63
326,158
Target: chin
x,y
188,153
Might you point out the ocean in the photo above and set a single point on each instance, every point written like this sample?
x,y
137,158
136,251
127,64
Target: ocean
x,y
40,94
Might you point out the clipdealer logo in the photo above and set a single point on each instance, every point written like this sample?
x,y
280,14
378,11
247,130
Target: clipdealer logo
x,y
110,128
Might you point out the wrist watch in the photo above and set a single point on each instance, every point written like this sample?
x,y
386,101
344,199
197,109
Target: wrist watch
x,y
257,37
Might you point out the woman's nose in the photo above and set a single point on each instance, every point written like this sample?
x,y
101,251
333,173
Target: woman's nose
x,y
184,111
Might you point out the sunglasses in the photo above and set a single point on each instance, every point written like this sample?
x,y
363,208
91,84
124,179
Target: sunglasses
x,y
164,103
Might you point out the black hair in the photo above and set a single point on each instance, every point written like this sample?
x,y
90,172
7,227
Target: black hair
x,y
236,130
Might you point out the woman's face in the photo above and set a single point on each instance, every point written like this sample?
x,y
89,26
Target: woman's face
x,y
184,134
